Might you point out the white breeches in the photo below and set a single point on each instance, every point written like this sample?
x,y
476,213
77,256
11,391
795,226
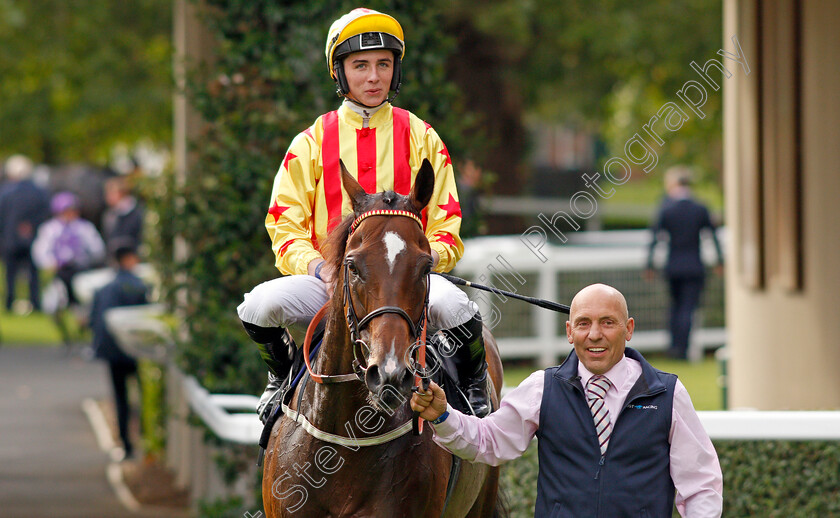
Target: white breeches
x,y
292,302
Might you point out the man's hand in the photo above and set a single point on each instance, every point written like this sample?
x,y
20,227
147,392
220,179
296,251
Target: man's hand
x,y
431,404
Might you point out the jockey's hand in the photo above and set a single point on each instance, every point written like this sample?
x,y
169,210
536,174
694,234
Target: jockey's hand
x,y
323,270
431,403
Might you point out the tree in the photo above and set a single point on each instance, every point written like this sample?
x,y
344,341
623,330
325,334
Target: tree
x,y
603,67
81,76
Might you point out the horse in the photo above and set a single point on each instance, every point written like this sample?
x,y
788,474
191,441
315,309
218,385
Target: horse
x,y
344,447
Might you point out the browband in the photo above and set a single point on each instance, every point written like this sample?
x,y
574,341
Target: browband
x,y
384,212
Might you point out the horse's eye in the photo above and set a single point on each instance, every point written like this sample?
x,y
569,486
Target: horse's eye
x,y
351,266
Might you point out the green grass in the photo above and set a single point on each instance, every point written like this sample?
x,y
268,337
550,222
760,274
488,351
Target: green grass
x,y
700,379
649,191
32,329
635,203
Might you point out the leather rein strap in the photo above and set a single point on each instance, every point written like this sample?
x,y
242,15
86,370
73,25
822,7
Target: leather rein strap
x,y
307,344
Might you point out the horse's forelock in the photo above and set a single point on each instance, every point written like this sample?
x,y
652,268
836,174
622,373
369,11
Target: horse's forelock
x,y
388,200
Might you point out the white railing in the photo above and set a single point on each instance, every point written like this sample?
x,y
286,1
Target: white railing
x,y
515,258
241,426
86,283
190,456
721,425
745,425
143,333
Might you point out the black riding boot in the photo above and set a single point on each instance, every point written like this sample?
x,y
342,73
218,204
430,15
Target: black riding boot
x,y
469,360
277,350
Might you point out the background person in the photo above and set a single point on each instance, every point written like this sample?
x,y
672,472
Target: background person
x,y
24,206
125,290
67,244
683,219
123,219
383,147
616,436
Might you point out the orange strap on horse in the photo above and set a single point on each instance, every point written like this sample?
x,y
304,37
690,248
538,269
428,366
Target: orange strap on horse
x,y
307,344
421,359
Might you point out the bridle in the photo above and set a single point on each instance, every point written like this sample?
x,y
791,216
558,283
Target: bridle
x,y
356,326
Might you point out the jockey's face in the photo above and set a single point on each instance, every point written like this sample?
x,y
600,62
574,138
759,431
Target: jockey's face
x,y
369,75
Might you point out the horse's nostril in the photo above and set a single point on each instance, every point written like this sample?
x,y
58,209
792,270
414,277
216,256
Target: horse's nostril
x,y
372,377
407,378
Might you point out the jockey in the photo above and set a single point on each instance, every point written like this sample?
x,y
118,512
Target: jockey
x,y
383,147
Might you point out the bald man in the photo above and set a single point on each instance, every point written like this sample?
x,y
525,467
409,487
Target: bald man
x,y
617,437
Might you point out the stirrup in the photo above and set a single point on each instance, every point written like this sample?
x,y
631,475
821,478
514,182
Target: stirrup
x,y
270,396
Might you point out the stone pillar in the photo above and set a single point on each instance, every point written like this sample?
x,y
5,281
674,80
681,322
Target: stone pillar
x,y
782,186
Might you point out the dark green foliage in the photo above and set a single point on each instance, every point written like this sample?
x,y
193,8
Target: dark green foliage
x,y
767,479
79,77
269,82
780,479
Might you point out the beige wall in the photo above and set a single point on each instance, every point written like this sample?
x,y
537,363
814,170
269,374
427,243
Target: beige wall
x,y
783,308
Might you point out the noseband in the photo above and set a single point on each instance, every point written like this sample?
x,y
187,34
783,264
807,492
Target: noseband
x,y
356,326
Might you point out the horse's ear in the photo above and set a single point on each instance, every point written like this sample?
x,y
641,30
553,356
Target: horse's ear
x,y
356,192
424,186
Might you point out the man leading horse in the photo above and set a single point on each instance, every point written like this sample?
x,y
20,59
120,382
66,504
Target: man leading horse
x,y
383,147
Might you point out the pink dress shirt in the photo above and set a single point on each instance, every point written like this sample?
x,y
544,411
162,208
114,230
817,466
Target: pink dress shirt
x,y
507,433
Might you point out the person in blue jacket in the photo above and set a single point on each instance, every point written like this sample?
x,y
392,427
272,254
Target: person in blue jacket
x,y
683,219
127,289
24,206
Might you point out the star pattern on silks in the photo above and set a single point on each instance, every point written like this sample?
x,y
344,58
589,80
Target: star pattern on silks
x,y
443,237
289,156
445,152
452,207
276,210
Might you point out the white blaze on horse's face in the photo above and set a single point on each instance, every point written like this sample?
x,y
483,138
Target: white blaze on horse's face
x,y
394,245
391,365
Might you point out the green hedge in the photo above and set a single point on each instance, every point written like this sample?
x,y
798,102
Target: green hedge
x,y
767,479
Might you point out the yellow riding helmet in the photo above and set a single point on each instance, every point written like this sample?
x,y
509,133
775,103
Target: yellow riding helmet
x,y
363,29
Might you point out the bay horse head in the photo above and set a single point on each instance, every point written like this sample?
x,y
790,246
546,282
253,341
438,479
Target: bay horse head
x,y
383,281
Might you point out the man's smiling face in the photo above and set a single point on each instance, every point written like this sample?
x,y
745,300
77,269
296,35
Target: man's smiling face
x,y
599,326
